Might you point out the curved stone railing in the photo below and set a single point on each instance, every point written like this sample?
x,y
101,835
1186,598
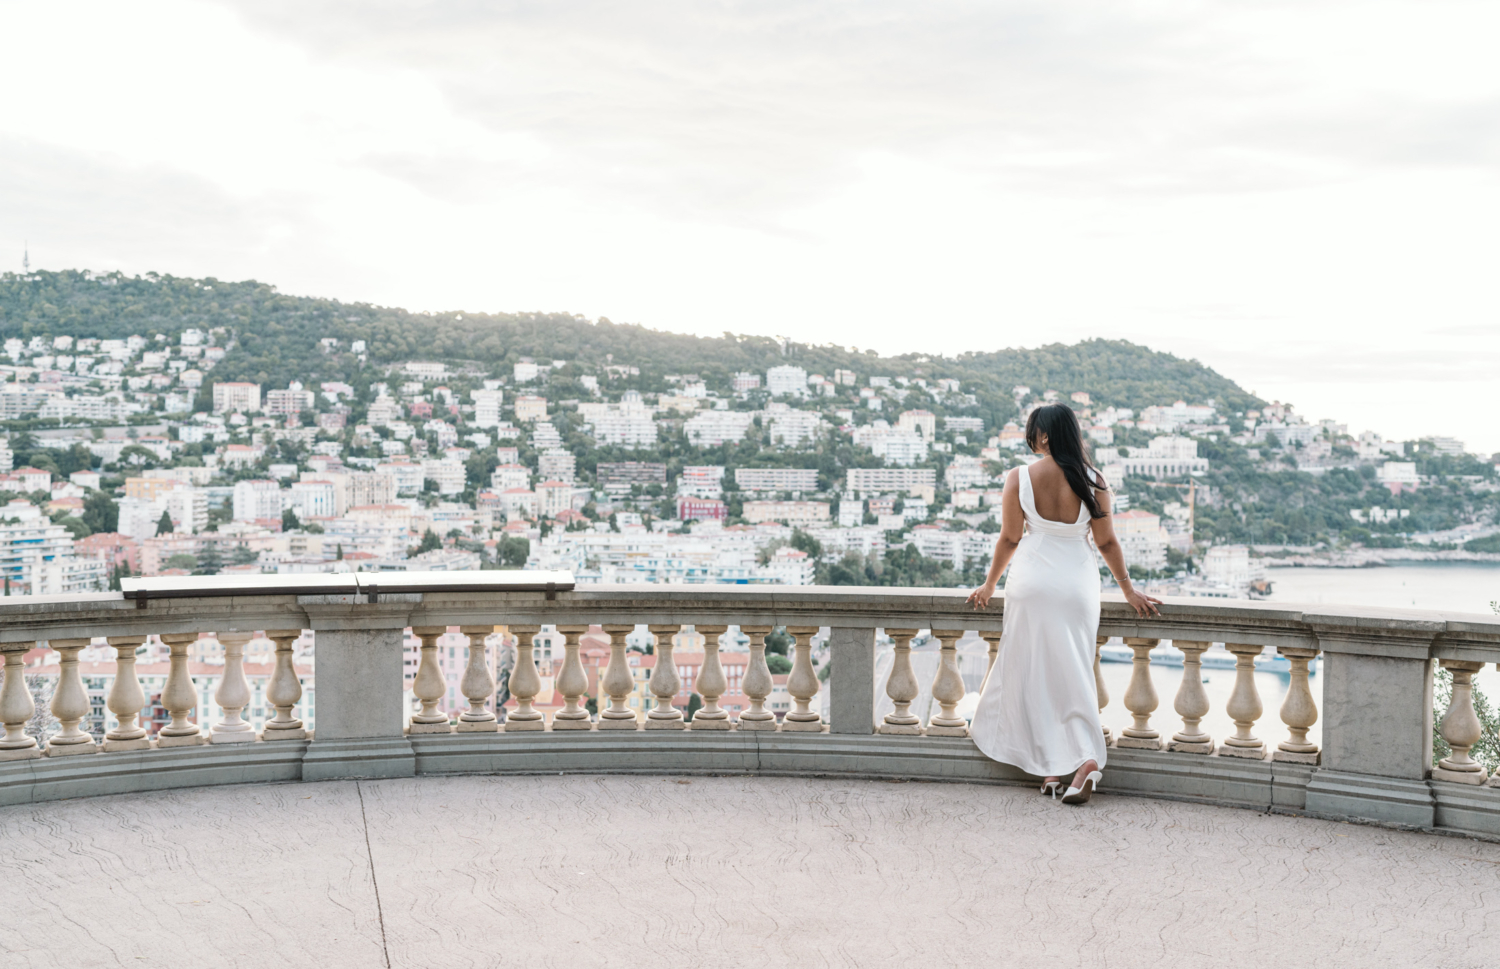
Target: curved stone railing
x,y
1375,761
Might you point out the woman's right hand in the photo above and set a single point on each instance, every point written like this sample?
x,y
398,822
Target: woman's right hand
x,y
1143,604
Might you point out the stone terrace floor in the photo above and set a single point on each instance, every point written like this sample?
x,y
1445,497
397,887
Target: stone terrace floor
x,y
626,871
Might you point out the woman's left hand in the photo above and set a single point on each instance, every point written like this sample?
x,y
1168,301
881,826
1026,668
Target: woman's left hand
x,y
980,597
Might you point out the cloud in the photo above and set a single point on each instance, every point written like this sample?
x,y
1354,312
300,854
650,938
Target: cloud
x,y
734,110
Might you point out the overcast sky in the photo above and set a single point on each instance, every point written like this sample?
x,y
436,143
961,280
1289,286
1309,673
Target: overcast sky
x,y
1304,195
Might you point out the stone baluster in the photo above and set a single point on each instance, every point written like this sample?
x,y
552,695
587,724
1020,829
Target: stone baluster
x,y
1298,711
525,683
477,685
758,683
284,689
70,702
180,695
428,685
617,683
1244,706
803,684
948,688
711,682
1495,780
572,683
1460,726
901,687
665,682
233,694
1101,690
1140,698
992,637
126,698
1192,702
16,707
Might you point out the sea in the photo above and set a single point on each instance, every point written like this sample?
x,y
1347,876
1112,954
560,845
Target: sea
x,y
1448,586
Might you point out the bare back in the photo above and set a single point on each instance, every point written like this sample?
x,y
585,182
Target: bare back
x,y
1054,497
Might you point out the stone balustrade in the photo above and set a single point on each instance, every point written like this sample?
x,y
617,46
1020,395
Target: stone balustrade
x,y
1374,763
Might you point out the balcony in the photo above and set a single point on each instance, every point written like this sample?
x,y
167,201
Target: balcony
x,y
410,839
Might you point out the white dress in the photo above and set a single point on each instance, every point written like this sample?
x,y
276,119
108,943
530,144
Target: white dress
x,y
1040,708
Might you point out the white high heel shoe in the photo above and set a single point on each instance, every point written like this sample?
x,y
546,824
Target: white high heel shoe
x,y
1051,787
1080,795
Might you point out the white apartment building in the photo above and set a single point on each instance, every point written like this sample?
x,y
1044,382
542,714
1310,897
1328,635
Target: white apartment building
x,y
919,422
965,472
138,517
714,427
258,499
776,479
315,499
793,513
1142,539
964,425
1175,416
487,407
525,372
406,475
368,488
742,382
556,465
1398,474
554,497
530,407
1228,566
382,537
236,398
38,554
293,400
508,476
424,370
786,380
188,508
383,411
701,481
1166,457
449,475
961,550
881,480
794,428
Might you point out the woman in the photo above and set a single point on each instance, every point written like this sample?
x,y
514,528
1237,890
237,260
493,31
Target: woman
x,y
1039,710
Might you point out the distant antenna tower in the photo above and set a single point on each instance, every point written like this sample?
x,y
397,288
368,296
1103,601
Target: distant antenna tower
x,y
26,256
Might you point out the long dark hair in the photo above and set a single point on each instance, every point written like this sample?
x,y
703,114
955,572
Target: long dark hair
x,y
1065,442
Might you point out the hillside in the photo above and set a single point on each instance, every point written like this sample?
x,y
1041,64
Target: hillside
x,y
277,338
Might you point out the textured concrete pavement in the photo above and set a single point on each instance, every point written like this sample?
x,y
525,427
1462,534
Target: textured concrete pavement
x,y
630,871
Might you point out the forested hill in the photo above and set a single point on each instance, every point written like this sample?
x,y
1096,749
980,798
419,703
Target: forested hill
x,y
276,339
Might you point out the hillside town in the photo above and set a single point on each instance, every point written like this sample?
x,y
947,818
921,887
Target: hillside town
x,y
439,469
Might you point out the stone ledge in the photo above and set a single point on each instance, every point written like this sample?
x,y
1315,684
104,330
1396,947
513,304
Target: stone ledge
x,y
1233,782
1367,797
136,771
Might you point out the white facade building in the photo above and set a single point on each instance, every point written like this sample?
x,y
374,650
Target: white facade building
x,y
258,499
786,380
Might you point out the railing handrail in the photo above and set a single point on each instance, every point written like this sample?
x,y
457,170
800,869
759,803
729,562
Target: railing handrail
x,y
246,603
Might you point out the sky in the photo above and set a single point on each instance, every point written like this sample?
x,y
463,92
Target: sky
x,y
1302,195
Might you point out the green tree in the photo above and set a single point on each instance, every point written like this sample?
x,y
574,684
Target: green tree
x,y
513,551
695,703
100,513
243,555
778,663
210,560
164,524
182,560
289,522
430,542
